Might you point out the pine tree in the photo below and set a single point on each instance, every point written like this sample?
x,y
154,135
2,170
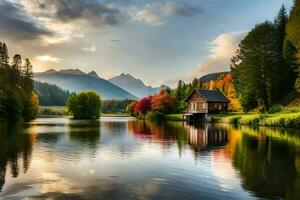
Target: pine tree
x,y
27,74
280,24
15,71
4,54
281,72
292,41
180,96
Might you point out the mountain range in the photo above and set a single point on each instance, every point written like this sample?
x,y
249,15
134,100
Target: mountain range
x,y
133,85
75,80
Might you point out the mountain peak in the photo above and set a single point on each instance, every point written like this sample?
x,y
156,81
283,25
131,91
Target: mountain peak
x,y
133,85
71,71
93,74
50,71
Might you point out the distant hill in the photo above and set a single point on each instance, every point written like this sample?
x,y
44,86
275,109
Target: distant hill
x,y
76,81
212,76
50,95
133,85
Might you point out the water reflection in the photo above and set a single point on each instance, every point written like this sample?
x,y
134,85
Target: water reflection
x,y
15,150
87,133
197,136
268,166
131,159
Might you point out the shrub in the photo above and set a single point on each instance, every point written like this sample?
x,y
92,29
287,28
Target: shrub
x,y
85,105
235,119
155,116
275,109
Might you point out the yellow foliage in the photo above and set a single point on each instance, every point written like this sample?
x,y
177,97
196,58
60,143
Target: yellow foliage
x,y
225,85
35,101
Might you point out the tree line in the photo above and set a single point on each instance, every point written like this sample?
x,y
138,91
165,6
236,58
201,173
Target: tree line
x,y
50,95
115,106
17,98
265,68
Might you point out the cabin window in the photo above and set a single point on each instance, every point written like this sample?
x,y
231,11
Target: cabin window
x,y
220,106
203,105
216,105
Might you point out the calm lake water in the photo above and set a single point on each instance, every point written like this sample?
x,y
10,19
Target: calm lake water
x,y
123,158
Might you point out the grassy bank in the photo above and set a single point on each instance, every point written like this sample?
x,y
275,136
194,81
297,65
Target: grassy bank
x,y
52,110
174,117
62,110
278,119
115,115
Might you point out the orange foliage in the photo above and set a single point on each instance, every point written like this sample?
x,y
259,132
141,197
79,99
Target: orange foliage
x,y
225,85
162,102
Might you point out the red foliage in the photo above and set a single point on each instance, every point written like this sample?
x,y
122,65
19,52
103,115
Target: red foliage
x,y
162,102
143,106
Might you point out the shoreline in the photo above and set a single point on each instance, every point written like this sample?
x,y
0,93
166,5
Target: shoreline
x,y
284,120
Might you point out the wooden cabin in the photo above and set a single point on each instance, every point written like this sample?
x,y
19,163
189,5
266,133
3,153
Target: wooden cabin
x,y
202,102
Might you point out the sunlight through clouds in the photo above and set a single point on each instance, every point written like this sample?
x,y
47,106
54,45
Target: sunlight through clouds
x,y
48,58
89,49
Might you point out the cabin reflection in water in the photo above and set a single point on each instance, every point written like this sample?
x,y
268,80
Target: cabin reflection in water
x,y
203,137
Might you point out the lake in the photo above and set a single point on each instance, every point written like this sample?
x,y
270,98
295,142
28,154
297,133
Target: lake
x,y
124,158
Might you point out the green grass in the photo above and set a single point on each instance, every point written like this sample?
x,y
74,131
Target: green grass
x,y
62,110
53,110
279,119
115,115
174,117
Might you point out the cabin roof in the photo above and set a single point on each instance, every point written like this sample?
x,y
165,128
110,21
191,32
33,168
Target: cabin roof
x,y
210,96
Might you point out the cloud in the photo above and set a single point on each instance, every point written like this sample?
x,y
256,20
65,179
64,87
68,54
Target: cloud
x,y
89,49
91,12
157,12
149,17
180,9
16,23
48,58
222,48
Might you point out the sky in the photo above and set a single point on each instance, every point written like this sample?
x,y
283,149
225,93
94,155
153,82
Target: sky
x,y
158,41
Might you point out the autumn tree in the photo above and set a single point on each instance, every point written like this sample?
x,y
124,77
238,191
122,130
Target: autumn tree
x,y
162,102
130,109
143,106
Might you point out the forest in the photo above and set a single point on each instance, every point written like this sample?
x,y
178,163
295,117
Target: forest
x,y
50,95
17,98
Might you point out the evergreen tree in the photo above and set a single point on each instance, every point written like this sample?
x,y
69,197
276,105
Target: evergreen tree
x,y
179,97
253,67
27,74
4,58
292,41
15,70
280,25
17,99
281,72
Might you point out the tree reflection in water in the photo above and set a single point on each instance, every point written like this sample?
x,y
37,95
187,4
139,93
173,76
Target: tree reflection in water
x,y
269,167
15,150
85,132
198,136
267,160
262,161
